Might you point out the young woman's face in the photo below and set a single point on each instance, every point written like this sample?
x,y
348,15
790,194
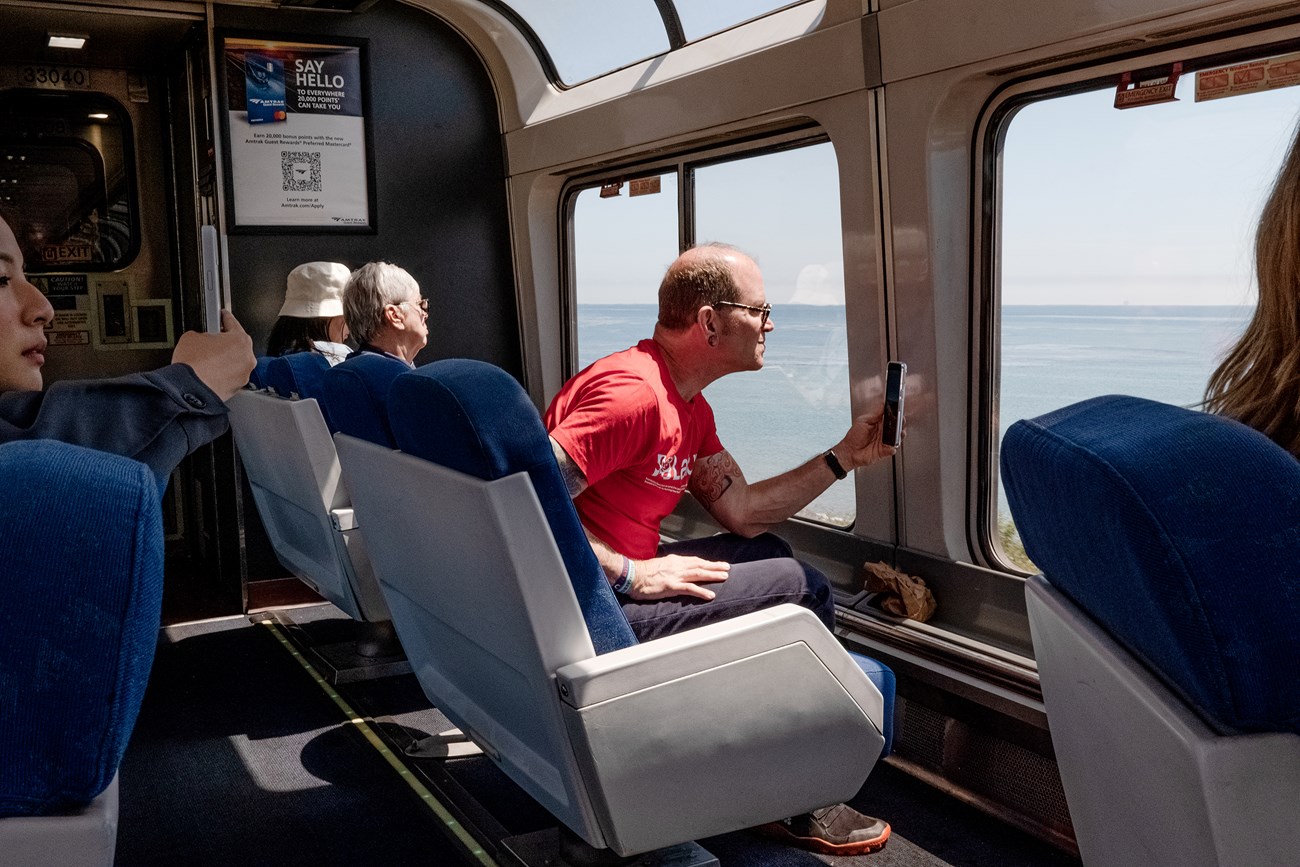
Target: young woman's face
x,y
24,311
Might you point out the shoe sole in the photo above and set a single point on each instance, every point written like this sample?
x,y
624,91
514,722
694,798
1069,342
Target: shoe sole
x,y
824,847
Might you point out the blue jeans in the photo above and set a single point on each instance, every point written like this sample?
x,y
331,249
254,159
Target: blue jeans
x,y
763,573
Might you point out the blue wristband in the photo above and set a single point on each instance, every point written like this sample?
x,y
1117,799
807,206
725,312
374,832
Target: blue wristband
x,y
624,583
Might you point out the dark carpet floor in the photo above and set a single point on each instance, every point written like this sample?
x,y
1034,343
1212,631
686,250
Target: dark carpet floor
x,y
239,757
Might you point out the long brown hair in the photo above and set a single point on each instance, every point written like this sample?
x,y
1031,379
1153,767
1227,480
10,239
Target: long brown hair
x,y
297,334
1258,381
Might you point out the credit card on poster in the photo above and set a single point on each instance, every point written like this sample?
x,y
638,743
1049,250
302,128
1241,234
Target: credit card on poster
x,y
264,88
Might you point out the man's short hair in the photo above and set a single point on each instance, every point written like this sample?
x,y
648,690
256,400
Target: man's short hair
x,y
370,289
700,280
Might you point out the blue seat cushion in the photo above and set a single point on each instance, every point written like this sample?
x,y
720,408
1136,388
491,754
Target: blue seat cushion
x,y
81,555
1179,533
257,378
300,373
883,677
356,394
475,418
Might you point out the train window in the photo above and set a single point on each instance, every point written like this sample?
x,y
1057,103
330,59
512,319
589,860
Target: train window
x,y
67,178
587,38
623,243
704,19
1126,248
771,419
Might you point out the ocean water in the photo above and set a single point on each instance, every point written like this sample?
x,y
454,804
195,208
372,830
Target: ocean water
x,y
1055,356
798,405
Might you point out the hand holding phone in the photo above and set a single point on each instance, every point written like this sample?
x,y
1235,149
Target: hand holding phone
x,y
222,360
891,433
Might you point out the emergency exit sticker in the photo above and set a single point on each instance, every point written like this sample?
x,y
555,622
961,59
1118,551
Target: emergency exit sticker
x,y
1152,88
1251,77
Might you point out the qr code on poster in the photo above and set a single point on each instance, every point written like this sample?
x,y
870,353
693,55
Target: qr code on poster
x,y
300,171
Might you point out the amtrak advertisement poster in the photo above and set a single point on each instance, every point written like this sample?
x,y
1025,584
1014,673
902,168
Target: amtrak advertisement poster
x,y
297,134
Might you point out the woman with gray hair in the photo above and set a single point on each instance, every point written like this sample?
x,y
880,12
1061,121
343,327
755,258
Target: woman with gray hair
x,y
385,312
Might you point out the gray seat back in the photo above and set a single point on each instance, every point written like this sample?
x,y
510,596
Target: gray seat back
x,y
452,552
293,471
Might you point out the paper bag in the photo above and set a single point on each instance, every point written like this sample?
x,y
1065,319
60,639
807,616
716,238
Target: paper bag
x,y
904,595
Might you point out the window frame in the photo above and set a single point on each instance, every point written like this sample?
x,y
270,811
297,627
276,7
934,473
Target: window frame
x,y
668,14
985,366
683,163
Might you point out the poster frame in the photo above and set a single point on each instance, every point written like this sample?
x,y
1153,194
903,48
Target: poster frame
x,y
233,224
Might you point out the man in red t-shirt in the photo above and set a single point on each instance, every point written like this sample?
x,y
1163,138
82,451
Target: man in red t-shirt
x,y
633,432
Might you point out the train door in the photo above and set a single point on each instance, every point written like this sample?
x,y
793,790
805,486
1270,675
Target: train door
x,y
105,157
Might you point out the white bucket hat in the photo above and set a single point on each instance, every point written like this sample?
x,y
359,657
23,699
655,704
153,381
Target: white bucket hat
x,y
315,289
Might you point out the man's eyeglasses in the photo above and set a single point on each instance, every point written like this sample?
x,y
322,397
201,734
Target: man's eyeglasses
x,y
423,304
763,312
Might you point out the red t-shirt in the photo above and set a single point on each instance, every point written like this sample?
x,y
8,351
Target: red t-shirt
x,y
623,423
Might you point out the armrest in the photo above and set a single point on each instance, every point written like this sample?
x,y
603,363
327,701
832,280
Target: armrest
x,y
630,669
343,519
722,727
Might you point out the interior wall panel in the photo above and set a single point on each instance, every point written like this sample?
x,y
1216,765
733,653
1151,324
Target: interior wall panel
x,y
440,184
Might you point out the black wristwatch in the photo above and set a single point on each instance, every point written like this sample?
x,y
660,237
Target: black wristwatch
x,y
834,463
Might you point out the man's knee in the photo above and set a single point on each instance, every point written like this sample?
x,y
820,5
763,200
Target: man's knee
x,y
820,599
802,584
770,546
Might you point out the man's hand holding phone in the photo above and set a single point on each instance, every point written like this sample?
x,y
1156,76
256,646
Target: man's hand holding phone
x,y
895,389
878,434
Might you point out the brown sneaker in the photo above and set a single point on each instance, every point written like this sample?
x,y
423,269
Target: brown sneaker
x,y
835,830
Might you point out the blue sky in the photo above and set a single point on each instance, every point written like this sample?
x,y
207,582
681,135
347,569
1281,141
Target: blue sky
x,y
1153,205
783,208
586,38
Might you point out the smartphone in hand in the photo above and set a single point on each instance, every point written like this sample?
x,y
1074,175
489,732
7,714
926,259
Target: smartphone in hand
x,y
210,279
895,388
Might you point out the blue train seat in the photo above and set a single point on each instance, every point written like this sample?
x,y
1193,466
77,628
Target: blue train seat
x,y
81,553
356,394
293,471
515,634
1164,624
257,379
298,375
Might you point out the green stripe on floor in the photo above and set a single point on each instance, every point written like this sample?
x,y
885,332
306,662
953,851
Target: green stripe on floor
x,y
363,725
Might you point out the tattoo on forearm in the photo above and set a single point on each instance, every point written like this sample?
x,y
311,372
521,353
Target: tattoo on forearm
x,y
574,481
712,476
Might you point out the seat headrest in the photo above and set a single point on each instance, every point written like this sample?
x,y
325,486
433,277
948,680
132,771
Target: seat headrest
x,y
299,373
356,393
1179,533
81,554
475,418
